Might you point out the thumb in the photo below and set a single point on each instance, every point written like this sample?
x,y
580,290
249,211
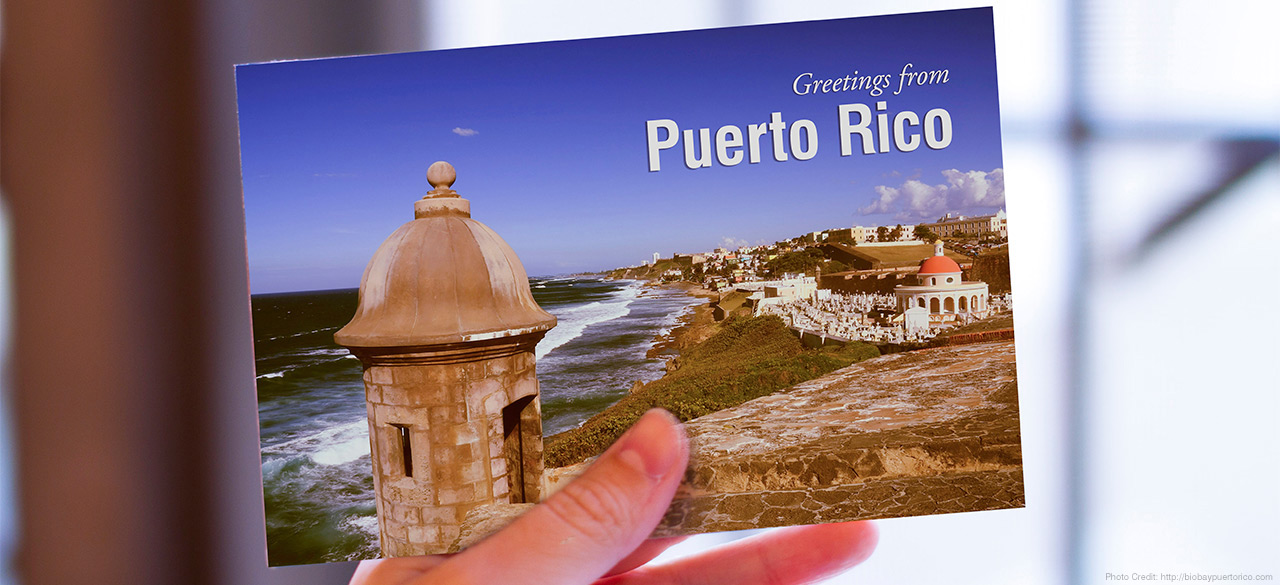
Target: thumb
x,y
583,530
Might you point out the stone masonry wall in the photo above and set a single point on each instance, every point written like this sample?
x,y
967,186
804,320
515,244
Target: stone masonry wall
x,y
453,413
922,432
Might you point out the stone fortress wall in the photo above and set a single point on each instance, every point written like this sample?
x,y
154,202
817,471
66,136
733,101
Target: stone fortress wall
x,y
924,432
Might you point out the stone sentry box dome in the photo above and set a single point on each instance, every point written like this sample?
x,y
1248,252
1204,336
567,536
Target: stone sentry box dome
x,y
445,329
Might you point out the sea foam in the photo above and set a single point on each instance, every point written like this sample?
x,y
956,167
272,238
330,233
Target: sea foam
x,y
574,320
332,445
290,335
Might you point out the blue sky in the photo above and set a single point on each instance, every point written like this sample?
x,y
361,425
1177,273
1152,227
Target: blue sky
x,y
549,143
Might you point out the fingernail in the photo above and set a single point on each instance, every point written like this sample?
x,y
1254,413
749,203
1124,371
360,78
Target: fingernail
x,y
653,444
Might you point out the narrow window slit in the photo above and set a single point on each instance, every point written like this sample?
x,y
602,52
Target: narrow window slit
x,y
406,449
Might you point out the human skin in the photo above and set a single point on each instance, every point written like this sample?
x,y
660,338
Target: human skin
x,y
593,531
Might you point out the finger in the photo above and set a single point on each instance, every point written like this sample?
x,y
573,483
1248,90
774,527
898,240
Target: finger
x,y
645,553
394,571
785,556
592,523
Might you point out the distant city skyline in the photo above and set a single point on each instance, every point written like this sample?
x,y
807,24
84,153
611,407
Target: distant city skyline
x,y
549,142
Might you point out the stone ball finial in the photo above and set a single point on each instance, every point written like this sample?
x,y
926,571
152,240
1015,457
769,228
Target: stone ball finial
x,y
441,175
441,199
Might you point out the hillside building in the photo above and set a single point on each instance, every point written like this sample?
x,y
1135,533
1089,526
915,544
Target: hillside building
x,y
949,226
941,291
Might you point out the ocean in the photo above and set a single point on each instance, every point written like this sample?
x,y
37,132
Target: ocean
x,y
316,472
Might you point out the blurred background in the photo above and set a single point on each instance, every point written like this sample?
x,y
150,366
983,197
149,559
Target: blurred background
x,y
1143,181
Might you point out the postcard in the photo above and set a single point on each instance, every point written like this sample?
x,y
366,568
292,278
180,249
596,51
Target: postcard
x,y
471,270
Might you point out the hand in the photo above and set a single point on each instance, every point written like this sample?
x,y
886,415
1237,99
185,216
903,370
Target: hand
x,y
596,526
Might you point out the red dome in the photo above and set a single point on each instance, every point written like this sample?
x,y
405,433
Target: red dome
x,y
939,265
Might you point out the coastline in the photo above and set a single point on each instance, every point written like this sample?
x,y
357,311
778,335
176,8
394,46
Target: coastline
x,y
694,326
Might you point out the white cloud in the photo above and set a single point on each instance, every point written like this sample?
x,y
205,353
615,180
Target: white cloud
x,y
963,191
460,131
732,243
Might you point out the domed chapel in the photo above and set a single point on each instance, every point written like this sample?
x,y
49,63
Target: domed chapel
x,y
941,291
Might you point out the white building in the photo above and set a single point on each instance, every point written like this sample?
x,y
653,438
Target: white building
x,y
942,292
787,290
864,234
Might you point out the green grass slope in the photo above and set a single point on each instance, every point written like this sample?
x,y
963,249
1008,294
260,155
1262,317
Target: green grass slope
x,y
746,359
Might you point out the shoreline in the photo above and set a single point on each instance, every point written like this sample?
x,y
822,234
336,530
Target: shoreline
x,y
693,327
